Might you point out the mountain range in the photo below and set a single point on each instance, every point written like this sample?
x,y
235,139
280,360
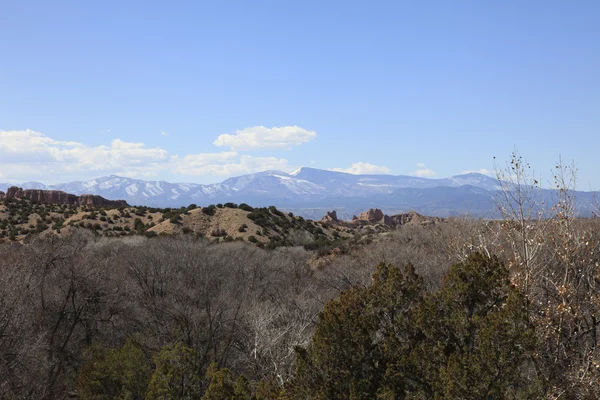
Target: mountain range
x,y
310,192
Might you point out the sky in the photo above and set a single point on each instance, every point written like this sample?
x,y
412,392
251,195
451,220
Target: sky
x,y
202,90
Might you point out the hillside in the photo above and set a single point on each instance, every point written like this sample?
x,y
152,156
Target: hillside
x,y
22,217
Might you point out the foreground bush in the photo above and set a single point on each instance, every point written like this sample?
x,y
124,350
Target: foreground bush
x,y
472,339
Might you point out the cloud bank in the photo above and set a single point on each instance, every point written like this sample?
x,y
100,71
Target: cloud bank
x,y
360,168
31,155
423,172
261,138
27,154
483,171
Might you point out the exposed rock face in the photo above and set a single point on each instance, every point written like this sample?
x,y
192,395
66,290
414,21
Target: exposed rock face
x,y
2,195
330,217
99,201
59,197
373,215
376,216
402,219
412,218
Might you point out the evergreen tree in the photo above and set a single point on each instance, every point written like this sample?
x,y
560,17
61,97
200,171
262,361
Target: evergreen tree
x,y
176,374
241,390
346,358
114,374
472,339
221,385
267,389
475,340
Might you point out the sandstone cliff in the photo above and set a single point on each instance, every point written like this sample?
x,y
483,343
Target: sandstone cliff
x,y
412,218
373,215
376,216
330,217
59,197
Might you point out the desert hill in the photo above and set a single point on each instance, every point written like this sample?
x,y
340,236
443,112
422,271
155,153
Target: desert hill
x,y
24,213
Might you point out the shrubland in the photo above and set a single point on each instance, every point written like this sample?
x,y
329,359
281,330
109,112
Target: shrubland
x,y
465,309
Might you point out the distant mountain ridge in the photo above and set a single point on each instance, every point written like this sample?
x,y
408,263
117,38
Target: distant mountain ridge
x,y
306,191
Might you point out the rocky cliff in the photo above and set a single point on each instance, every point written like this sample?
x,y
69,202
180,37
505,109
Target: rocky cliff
x,y
411,218
330,217
59,197
376,216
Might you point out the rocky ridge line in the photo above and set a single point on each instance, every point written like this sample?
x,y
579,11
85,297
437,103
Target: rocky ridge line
x,y
375,216
60,197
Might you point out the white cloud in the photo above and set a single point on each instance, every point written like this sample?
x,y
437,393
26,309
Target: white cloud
x,y
203,159
423,172
259,137
227,164
480,171
240,165
361,168
30,155
34,148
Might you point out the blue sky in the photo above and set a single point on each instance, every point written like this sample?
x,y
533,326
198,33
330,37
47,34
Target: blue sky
x,y
198,91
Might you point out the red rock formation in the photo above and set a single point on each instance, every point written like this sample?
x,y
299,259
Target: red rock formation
x,y
59,197
373,215
376,216
402,219
99,201
330,217
412,217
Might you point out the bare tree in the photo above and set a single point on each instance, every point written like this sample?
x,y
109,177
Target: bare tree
x,y
522,210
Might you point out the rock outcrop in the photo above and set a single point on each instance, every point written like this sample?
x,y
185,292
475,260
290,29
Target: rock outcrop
x,y
59,197
330,217
2,195
374,215
412,218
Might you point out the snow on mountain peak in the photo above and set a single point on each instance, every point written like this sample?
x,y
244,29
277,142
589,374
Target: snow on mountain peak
x,y
296,171
304,184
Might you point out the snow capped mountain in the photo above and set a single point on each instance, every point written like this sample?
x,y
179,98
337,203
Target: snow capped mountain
x,y
296,171
345,184
24,185
135,191
311,192
33,185
474,179
302,187
272,184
